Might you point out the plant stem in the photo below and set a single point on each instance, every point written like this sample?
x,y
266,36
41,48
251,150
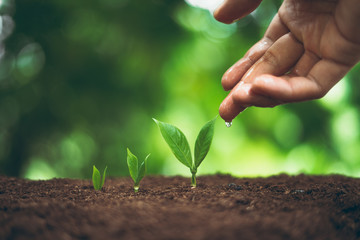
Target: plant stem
x,y
193,180
136,188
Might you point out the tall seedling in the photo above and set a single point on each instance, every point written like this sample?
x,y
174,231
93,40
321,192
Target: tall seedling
x,y
179,145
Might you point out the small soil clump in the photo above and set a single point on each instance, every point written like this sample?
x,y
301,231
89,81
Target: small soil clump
x,y
221,207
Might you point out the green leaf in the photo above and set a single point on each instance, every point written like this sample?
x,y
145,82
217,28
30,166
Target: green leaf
x,y
176,141
132,162
96,178
141,173
142,170
103,177
203,142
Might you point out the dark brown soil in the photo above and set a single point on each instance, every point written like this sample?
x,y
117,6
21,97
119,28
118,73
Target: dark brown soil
x,y
221,207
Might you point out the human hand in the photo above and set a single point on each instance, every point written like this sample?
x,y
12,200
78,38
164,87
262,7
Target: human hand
x,y
308,47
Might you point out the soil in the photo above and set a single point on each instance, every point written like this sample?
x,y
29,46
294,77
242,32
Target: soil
x,y
221,207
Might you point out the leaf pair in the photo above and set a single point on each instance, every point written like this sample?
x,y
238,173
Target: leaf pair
x,y
179,145
96,178
137,169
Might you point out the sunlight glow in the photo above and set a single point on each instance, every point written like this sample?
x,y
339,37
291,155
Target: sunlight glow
x,y
210,5
38,169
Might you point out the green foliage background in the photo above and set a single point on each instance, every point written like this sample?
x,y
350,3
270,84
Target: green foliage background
x,y
81,80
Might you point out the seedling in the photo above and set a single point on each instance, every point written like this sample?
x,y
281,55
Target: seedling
x,y
137,169
179,145
96,178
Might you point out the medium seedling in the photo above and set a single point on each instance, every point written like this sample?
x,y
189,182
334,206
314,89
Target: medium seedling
x,y
96,178
137,169
179,145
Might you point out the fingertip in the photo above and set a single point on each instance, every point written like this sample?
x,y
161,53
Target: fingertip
x,y
234,74
221,14
224,19
228,109
232,10
225,109
225,114
225,83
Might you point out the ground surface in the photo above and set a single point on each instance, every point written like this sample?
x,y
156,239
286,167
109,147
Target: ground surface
x,y
221,207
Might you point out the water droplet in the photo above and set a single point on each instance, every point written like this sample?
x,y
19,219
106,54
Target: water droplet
x,y
228,124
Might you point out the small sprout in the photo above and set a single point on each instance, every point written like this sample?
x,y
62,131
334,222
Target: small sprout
x,y
179,145
137,169
96,178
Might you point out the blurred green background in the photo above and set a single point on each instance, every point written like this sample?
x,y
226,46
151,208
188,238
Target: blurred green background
x,y
81,80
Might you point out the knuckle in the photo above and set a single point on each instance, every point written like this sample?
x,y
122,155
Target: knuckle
x,y
239,99
320,92
270,57
258,50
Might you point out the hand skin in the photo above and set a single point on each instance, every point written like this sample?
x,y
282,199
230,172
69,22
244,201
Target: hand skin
x,y
308,47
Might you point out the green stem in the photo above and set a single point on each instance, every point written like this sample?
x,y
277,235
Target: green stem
x,y
136,188
193,179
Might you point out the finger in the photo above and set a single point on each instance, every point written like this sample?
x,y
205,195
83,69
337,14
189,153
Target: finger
x,y
232,10
229,109
286,89
305,64
322,77
241,98
278,59
244,96
232,76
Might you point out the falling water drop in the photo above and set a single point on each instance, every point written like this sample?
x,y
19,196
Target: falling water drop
x,y
228,124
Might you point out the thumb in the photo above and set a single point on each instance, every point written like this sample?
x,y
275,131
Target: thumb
x,y
232,10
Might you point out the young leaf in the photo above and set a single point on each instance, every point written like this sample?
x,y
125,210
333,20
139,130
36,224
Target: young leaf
x,y
96,178
132,162
142,170
203,142
103,178
177,142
